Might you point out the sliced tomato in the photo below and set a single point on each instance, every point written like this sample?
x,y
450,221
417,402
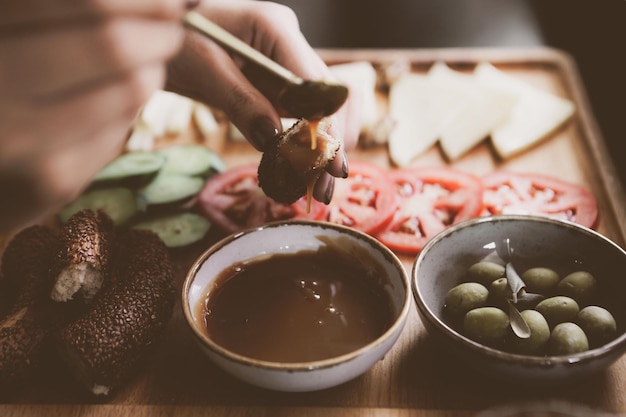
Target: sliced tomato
x,y
233,200
430,199
526,193
365,200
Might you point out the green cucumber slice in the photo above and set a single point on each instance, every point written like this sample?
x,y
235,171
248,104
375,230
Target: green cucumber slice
x,y
118,202
192,160
179,229
132,169
169,190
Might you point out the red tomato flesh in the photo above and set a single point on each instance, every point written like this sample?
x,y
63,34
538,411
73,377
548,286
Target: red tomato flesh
x,y
365,200
233,201
430,199
517,193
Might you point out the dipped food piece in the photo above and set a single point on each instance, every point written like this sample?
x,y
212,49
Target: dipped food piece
x,y
290,168
104,346
82,261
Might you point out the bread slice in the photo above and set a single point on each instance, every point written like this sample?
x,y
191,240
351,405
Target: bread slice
x,y
82,261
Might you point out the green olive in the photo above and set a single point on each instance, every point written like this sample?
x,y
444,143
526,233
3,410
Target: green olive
x,y
465,297
499,289
539,334
540,280
488,325
558,309
578,285
485,272
598,324
567,338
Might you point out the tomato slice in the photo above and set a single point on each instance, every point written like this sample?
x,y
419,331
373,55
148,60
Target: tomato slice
x,y
365,200
233,201
526,193
430,199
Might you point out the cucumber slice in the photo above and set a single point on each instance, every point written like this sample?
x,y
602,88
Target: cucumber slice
x,y
119,203
192,160
169,190
179,229
132,169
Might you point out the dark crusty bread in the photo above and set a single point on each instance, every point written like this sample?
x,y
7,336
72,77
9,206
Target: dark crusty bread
x,y
82,260
113,338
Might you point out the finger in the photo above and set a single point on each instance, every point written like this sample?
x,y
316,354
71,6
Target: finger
x,y
272,29
40,187
338,166
65,169
75,117
324,188
275,32
18,13
345,125
194,73
51,63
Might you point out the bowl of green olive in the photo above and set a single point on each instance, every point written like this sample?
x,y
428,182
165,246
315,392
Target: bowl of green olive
x,y
525,298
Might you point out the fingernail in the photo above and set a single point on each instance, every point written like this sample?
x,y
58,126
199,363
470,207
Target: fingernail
x,y
344,166
330,189
192,4
263,133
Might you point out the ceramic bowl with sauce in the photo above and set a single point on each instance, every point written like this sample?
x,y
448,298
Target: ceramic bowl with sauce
x,y
296,306
530,241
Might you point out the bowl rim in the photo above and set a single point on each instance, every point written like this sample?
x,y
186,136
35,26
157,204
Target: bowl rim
x,y
527,360
395,328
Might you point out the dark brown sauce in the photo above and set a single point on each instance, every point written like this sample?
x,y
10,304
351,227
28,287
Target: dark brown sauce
x,y
298,307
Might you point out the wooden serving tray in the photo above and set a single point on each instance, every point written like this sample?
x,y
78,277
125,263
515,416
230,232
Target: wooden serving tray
x,y
415,378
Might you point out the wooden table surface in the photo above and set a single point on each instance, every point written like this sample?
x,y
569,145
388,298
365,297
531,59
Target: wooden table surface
x,y
415,378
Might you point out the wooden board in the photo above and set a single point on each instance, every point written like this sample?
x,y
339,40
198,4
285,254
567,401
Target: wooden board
x,y
415,378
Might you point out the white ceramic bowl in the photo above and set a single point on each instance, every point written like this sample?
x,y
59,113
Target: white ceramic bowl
x,y
292,237
444,259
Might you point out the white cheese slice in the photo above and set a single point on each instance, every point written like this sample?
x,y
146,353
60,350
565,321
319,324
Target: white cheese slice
x,y
421,108
205,119
360,77
141,138
234,133
535,114
167,113
483,109
180,116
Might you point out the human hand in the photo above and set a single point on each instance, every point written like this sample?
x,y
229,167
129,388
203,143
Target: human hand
x,y
205,72
72,77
